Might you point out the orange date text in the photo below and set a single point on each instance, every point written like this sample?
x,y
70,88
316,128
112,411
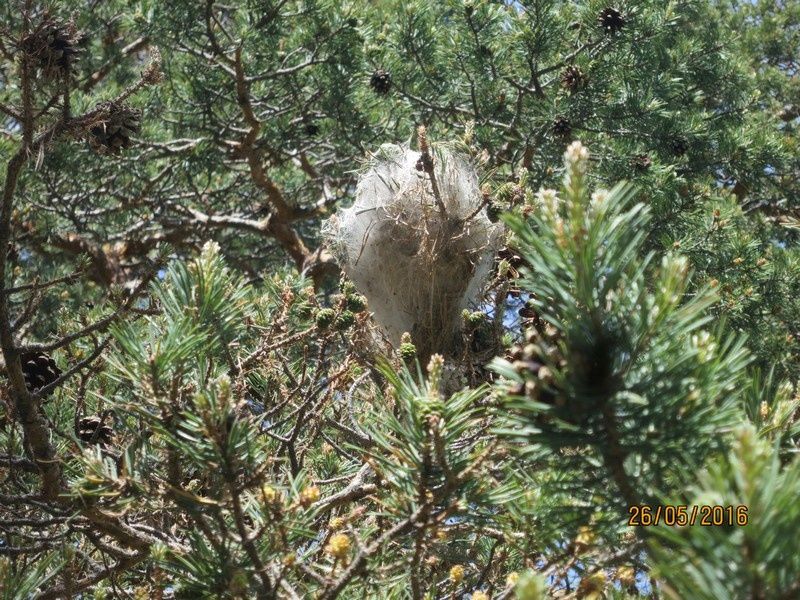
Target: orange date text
x,y
681,515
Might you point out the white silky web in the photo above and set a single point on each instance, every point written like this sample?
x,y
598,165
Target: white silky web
x,y
418,268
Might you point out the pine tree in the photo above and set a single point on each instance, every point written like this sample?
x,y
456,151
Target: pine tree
x,y
198,403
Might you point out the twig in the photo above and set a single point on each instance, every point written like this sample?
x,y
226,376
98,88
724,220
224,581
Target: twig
x,y
355,490
426,161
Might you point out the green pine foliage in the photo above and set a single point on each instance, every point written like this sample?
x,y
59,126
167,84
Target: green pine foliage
x,y
195,402
634,386
737,562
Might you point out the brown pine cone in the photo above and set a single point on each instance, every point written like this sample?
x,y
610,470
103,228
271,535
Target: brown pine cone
x,y
611,20
381,82
53,47
114,133
92,431
39,369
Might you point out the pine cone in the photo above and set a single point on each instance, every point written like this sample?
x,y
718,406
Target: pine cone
x,y
381,82
114,133
611,20
528,312
53,45
325,317
561,127
39,369
679,145
493,212
356,303
311,127
573,79
92,431
641,162
789,113
528,360
408,351
513,258
424,163
344,321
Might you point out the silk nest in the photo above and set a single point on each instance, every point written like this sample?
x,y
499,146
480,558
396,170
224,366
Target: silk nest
x,y
419,261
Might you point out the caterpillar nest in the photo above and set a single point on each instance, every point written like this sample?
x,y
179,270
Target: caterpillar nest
x,y
419,257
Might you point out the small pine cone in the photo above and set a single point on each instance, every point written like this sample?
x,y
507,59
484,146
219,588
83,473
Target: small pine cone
x,y
424,163
345,286
573,79
561,127
408,351
114,133
611,20
344,321
356,303
528,367
517,196
311,127
473,319
515,352
514,259
53,46
679,145
789,112
39,370
92,431
325,317
381,82
493,212
641,162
